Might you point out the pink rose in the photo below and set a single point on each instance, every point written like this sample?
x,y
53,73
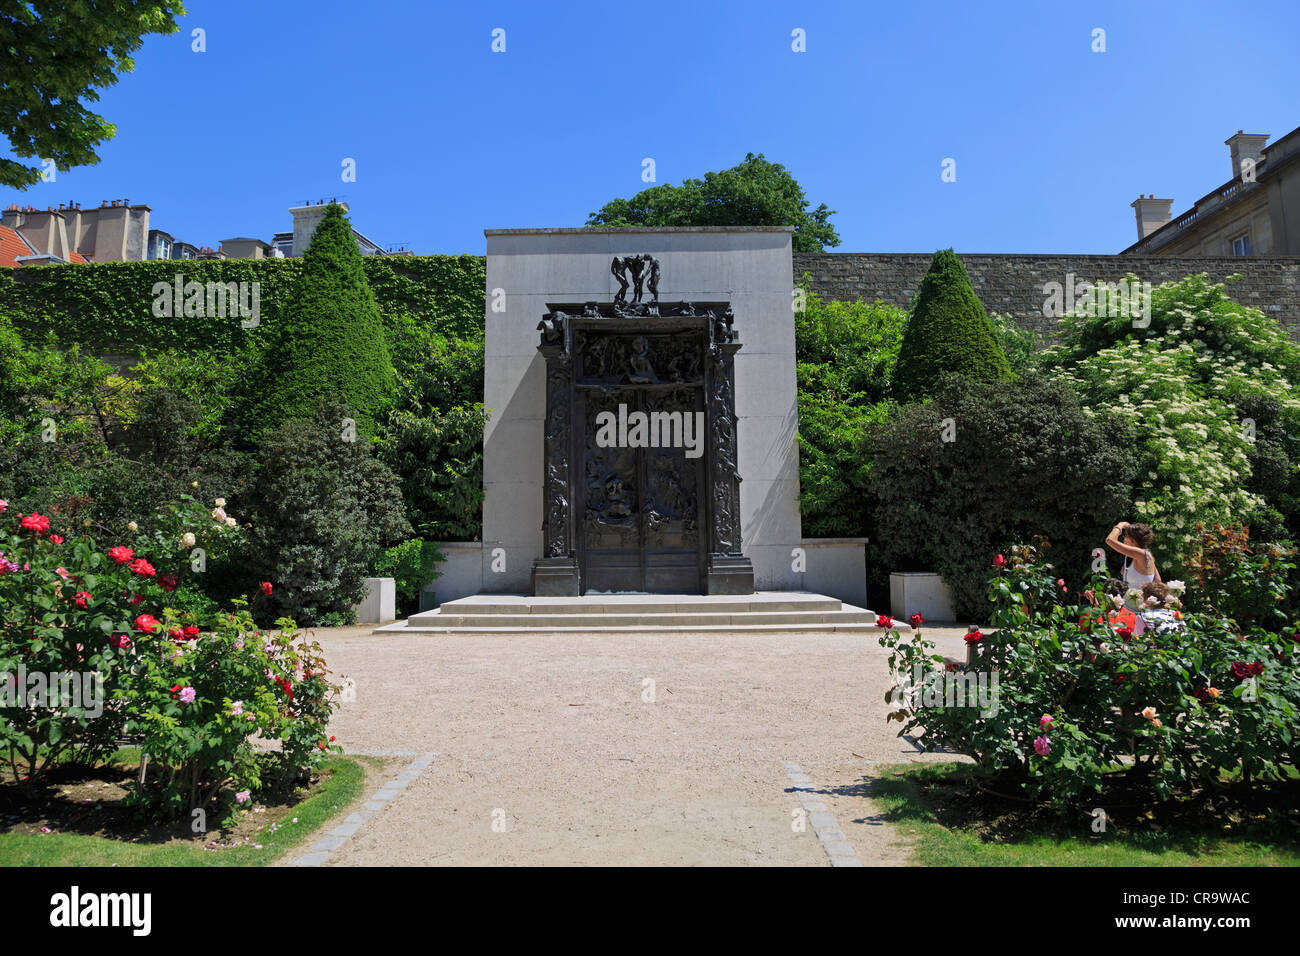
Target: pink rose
x,y
187,695
1045,723
1042,746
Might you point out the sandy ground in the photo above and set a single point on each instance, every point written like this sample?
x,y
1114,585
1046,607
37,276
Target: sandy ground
x,y
554,749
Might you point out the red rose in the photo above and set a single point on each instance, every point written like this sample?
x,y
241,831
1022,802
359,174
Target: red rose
x,y
120,642
1125,633
999,561
884,620
1255,669
916,620
168,581
138,599
1240,669
973,637
331,738
121,555
81,598
38,523
142,567
176,634
146,623
266,588
191,631
56,539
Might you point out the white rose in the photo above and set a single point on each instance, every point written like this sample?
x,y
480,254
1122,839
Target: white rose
x,y
132,527
188,540
231,522
218,514
220,502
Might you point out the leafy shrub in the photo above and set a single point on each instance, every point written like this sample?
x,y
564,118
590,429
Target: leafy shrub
x,y
948,331
1248,585
197,702
329,341
324,507
1076,695
845,354
433,437
1024,460
412,565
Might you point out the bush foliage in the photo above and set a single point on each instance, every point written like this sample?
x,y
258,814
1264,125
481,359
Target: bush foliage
x,y
1022,460
1079,697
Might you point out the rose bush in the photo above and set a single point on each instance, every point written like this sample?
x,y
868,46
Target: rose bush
x,y
195,700
1078,697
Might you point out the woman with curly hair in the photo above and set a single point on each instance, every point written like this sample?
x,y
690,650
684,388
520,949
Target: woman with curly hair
x,y
1134,542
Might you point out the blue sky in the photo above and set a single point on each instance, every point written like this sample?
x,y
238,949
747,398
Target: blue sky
x,y
1051,141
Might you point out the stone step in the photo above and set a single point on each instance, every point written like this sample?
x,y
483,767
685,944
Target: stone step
x,y
772,601
402,628
586,621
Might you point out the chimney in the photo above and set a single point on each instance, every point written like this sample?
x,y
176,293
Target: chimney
x,y
1245,146
1152,213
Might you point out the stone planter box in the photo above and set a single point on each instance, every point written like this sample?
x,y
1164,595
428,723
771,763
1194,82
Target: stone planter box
x,y
836,567
379,606
923,591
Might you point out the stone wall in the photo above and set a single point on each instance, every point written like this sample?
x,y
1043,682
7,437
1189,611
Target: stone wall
x,y
1014,283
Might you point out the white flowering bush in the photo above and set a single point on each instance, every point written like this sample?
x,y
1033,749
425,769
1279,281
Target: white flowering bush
x,y
1177,384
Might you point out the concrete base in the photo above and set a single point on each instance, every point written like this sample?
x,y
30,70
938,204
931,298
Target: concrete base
x,y
380,602
555,577
730,574
920,591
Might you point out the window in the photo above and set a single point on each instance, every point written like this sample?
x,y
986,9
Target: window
x,y
1241,245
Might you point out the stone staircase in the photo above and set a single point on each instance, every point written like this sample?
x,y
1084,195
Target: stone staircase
x,y
764,611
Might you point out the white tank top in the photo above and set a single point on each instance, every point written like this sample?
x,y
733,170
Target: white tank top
x,y
1134,577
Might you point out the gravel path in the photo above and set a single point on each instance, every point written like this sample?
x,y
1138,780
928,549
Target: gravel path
x,y
621,749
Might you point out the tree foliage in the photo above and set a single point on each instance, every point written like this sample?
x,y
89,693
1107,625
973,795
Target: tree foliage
x,y
754,193
54,55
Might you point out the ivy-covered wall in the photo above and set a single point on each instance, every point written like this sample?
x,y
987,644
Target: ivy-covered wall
x,y
110,307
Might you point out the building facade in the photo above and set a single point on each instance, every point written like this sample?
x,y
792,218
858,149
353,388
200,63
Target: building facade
x,y
1255,213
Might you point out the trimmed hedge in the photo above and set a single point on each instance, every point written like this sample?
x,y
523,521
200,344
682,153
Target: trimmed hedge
x,y
329,341
948,331
108,307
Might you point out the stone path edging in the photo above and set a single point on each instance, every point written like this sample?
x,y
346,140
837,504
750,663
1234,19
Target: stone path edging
x,y
320,851
832,838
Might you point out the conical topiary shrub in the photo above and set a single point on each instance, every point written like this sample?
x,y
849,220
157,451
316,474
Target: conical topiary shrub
x,y
330,340
948,331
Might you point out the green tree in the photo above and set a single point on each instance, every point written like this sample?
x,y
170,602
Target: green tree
x,y
754,193
330,340
948,332
53,55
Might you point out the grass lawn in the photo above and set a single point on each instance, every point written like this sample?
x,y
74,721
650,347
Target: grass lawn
x,y
104,833
950,823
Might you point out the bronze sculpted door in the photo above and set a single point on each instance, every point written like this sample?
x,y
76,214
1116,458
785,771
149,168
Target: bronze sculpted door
x,y
642,491
643,463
